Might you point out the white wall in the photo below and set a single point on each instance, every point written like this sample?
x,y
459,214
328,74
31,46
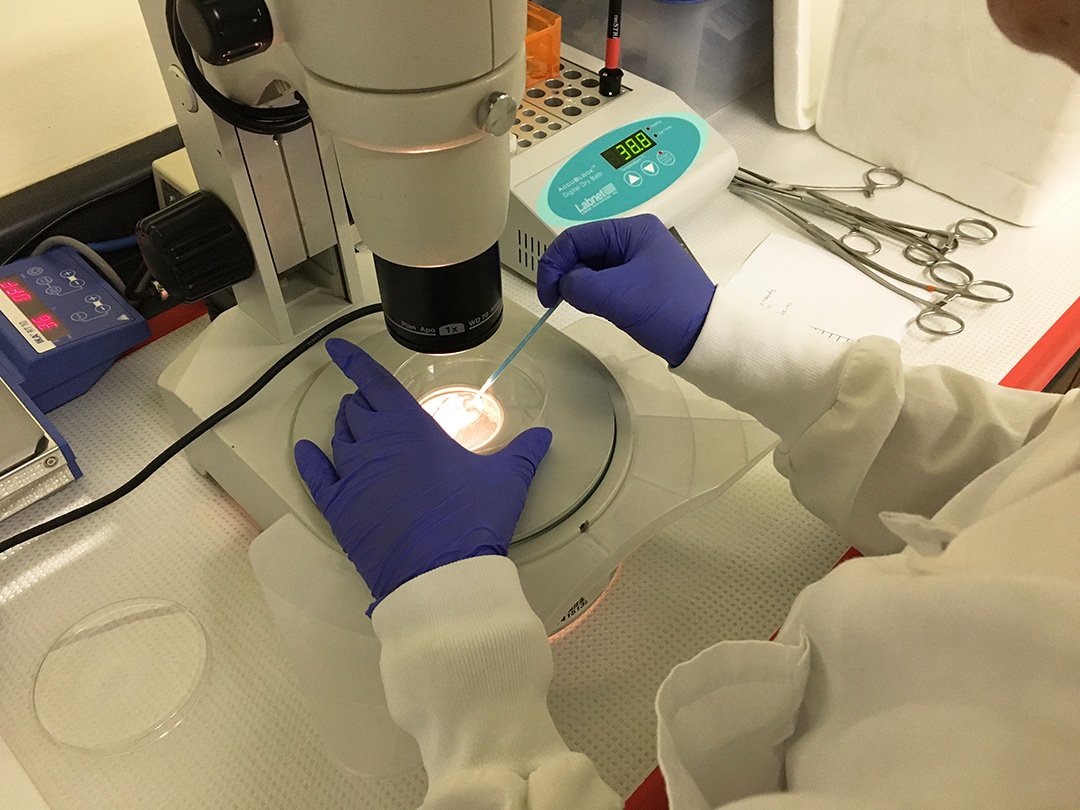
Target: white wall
x,y
77,79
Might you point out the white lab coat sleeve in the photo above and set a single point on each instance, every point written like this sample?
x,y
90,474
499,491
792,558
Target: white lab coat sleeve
x,y
723,719
859,433
466,667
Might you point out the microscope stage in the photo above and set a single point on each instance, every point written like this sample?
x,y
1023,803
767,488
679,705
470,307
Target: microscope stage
x,y
553,383
634,447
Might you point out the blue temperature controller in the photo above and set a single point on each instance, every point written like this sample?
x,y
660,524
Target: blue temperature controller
x,y
61,326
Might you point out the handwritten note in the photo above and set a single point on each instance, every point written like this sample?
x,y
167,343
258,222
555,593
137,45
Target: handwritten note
x,y
816,288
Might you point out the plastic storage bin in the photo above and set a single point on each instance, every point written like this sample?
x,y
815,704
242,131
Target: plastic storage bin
x,y
709,53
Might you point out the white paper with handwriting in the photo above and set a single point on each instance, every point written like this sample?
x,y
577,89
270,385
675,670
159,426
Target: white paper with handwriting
x,y
810,285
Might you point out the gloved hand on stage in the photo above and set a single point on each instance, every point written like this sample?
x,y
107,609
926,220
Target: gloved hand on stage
x,y
647,284
401,496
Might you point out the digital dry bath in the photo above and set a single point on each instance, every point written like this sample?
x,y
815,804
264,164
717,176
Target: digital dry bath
x,y
582,157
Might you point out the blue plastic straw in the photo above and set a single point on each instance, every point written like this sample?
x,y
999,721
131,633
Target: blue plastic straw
x,y
518,348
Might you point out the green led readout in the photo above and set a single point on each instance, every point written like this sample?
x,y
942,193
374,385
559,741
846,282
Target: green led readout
x,y
627,149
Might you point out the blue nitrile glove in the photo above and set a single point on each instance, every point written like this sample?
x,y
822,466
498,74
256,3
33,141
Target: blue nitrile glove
x,y
401,496
649,286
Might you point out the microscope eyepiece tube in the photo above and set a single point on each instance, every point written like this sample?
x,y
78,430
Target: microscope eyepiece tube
x,y
441,310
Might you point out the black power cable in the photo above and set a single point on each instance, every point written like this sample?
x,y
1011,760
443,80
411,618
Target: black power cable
x,y
261,120
191,435
36,235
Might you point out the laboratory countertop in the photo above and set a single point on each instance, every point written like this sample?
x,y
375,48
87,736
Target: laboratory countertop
x,y
729,570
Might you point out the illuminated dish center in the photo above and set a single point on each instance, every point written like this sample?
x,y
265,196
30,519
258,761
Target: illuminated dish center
x,y
470,418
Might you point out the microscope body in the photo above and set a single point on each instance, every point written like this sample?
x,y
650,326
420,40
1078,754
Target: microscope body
x,y
407,102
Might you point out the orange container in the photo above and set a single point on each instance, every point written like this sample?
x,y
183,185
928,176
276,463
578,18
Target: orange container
x,y
543,39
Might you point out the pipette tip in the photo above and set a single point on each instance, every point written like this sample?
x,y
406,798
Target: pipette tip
x,y
502,366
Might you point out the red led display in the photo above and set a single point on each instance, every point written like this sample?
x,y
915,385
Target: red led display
x,y
44,322
40,316
15,291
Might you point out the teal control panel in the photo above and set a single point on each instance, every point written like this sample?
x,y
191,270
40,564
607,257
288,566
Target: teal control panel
x,y
622,170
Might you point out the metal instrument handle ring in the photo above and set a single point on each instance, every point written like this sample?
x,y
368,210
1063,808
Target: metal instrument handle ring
x,y
945,241
975,230
1005,292
883,177
966,277
854,235
938,311
922,254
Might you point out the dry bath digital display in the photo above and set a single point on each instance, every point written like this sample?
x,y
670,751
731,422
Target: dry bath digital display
x,y
637,143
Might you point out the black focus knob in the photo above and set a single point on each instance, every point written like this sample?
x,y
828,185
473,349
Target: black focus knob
x,y
195,247
223,31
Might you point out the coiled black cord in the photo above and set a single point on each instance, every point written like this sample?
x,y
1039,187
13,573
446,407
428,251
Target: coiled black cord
x,y
261,120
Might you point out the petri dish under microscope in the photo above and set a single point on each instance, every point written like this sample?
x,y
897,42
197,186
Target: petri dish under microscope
x,y
122,677
448,387
471,418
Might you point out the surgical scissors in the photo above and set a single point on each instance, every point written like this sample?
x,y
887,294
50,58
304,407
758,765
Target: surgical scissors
x,y
921,245
951,279
881,177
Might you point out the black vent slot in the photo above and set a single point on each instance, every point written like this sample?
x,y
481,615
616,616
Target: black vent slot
x,y
530,250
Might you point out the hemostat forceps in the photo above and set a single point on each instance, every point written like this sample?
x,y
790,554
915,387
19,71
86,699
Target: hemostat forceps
x,y
878,177
927,247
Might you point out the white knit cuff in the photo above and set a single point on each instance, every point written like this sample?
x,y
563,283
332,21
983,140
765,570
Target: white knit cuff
x,y
784,374
465,661
463,590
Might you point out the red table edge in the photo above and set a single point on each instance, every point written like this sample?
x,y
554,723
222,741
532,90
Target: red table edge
x,y
650,795
169,321
1033,372
1049,355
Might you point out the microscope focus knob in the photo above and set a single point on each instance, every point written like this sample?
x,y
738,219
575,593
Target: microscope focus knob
x,y
195,247
496,113
224,31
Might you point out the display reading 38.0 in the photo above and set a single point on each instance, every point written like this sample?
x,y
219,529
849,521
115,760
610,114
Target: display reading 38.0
x,y
628,148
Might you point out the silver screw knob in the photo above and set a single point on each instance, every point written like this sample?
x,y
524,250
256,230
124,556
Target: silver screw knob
x,y
497,112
